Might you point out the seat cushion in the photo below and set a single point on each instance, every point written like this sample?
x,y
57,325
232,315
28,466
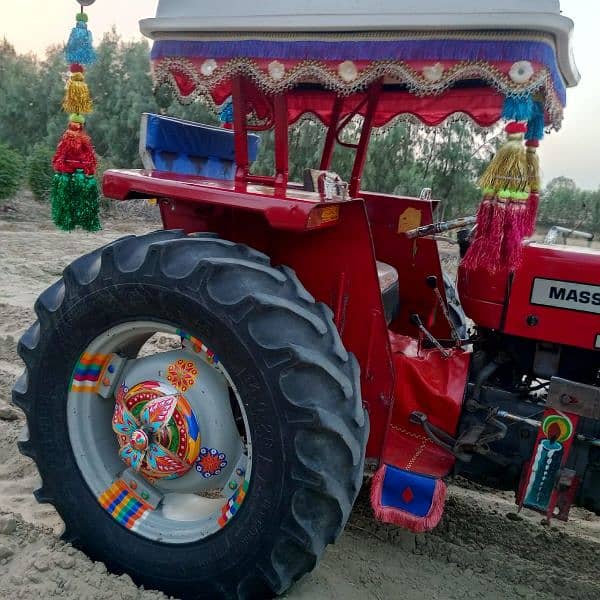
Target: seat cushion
x,y
390,290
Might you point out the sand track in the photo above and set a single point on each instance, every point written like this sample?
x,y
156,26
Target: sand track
x,y
476,552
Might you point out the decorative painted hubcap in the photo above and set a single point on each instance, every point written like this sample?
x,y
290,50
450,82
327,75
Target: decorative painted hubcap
x,y
139,440
157,431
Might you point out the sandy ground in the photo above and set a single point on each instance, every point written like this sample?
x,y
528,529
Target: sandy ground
x,y
482,549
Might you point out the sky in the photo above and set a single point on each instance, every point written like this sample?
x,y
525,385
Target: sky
x,y
574,151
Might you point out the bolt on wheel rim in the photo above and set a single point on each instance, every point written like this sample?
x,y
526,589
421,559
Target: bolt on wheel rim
x,y
162,439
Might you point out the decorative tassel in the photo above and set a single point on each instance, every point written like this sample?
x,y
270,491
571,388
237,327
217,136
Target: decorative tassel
x,y
75,151
226,114
534,180
80,47
517,108
486,247
77,96
536,122
533,165
87,207
62,202
75,195
508,169
503,218
75,201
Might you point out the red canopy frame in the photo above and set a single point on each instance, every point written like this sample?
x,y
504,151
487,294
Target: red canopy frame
x,y
378,105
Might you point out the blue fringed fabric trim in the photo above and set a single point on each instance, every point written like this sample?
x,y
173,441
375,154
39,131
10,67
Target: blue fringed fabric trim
x,y
429,49
80,47
517,109
535,125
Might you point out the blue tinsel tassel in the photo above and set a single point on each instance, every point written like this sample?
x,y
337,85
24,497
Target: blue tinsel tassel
x,y
517,108
535,125
79,47
226,113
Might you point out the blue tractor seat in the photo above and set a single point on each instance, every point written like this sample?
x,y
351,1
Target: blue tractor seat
x,y
188,148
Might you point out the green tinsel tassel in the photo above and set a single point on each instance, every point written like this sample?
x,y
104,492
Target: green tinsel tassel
x,y
75,201
62,211
88,205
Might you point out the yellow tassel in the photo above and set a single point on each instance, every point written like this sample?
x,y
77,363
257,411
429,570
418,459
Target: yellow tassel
x,y
508,169
533,169
77,96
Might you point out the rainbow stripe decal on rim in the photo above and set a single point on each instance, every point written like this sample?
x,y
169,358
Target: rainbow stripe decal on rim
x,y
123,505
199,347
88,372
233,505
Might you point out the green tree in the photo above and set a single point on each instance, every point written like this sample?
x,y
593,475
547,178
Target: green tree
x,y
11,171
40,171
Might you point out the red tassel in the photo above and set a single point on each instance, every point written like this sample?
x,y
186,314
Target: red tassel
x,y
515,223
533,204
389,514
474,256
75,151
485,251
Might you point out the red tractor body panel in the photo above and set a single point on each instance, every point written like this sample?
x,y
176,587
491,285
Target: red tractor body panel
x,y
196,192
555,296
335,261
483,295
428,383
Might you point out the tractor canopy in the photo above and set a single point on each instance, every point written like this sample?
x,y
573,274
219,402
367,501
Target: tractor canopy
x,y
432,59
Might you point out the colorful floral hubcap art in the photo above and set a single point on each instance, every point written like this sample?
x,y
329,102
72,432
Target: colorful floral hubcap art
x,y
157,431
210,462
182,374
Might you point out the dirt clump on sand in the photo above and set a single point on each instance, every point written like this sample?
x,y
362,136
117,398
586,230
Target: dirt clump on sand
x,y
481,550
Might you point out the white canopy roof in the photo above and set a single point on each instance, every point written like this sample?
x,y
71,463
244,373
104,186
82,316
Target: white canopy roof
x,y
182,18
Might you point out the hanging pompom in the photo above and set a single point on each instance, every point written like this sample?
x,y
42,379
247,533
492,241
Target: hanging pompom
x,y
502,219
533,165
535,184
75,201
63,212
517,108
514,229
87,206
77,95
536,122
79,48
75,151
508,169
74,195
226,114
485,248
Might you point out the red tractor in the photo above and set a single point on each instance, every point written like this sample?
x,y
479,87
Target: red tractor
x,y
306,331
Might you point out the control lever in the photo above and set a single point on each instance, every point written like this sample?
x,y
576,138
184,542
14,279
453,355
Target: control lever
x,y
437,436
432,282
415,319
441,227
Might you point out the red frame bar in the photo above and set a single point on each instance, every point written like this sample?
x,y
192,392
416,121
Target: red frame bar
x,y
280,122
365,136
280,118
332,132
240,129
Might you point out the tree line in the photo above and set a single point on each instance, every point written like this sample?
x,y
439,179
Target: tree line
x,y
403,158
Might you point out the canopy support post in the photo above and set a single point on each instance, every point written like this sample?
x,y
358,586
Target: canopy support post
x,y
365,135
329,146
240,129
280,110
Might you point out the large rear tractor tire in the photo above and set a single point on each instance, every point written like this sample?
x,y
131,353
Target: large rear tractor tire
x,y
219,467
